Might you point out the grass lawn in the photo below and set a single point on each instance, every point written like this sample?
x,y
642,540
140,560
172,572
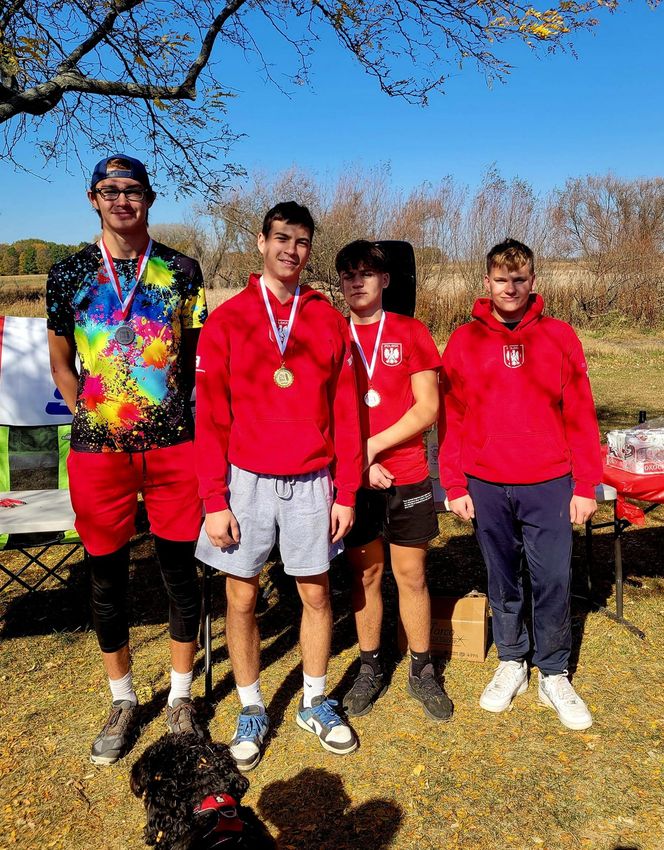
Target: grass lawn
x,y
516,780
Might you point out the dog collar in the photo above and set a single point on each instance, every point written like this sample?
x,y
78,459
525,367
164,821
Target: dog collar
x,y
226,808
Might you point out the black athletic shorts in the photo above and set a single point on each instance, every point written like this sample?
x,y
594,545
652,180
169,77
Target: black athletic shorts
x,y
404,515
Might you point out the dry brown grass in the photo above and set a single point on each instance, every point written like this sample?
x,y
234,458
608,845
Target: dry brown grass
x,y
23,295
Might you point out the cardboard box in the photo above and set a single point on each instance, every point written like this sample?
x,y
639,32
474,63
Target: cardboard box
x,y
459,627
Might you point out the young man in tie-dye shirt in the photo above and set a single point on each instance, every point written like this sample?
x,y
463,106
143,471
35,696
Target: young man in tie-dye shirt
x,y
131,309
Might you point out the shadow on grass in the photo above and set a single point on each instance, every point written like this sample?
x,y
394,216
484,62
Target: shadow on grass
x,y
313,810
454,568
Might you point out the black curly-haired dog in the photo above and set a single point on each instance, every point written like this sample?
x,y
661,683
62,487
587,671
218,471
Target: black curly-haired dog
x,y
192,791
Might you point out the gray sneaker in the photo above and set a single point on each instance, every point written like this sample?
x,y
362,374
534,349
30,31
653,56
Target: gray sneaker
x,y
425,688
367,688
181,718
118,734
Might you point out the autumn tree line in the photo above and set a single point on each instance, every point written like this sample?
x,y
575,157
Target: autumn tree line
x,y
599,240
32,256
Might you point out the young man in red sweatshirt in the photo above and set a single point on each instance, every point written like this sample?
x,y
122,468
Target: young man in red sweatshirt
x,y
519,456
278,456
396,366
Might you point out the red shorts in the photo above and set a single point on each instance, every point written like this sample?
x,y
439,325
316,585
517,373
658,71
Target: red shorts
x,y
104,489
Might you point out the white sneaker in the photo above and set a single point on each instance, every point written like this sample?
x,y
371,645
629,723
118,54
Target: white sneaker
x,y
509,680
557,692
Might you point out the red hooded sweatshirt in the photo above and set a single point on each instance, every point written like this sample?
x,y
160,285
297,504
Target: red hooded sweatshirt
x,y
516,406
244,418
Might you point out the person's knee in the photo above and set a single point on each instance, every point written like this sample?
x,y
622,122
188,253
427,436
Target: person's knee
x,y
241,596
368,577
410,581
315,595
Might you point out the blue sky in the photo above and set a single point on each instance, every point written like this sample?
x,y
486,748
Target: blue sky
x,y
556,117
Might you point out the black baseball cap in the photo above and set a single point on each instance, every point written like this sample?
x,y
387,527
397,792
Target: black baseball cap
x,y
135,169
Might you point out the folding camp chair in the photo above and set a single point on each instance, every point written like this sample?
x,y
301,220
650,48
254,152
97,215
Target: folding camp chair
x,y
32,521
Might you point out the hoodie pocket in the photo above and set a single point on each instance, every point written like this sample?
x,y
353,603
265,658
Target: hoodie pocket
x,y
282,446
531,452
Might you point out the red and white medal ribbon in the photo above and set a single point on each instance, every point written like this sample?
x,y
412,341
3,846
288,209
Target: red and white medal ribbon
x,y
125,303
280,338
369,368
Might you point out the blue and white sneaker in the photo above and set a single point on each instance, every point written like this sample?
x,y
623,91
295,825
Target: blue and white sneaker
x,y
334,734
246,746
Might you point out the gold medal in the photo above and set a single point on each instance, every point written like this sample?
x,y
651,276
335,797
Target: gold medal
x,y
283,377
372,398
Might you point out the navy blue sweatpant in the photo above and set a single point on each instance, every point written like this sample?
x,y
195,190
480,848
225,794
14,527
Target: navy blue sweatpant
x,y
532,519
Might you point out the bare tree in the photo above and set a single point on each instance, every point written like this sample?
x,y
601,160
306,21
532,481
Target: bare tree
x,y
612,230
115,71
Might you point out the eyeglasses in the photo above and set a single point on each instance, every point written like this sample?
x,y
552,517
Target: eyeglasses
x,y
133,193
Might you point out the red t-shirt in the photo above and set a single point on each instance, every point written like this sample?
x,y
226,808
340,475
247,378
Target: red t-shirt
x,y
406,347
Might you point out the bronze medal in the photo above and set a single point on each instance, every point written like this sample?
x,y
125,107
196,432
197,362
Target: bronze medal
x,y
283,378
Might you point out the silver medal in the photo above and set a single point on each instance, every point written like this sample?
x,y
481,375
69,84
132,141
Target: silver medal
x,y
125,335
372,398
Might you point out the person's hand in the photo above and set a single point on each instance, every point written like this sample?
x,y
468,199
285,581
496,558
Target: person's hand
x,y
341,521
222,528
463,507
379,477
581,510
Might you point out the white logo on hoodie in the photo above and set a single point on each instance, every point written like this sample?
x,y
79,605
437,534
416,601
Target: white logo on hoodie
x,y
513,356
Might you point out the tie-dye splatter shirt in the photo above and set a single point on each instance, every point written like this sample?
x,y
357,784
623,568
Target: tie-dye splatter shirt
x,y
130,397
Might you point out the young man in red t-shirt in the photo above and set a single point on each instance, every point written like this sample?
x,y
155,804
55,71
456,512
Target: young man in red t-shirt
x,y
396,366
519,456
278,453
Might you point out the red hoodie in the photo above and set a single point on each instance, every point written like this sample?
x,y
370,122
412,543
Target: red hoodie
x,y
243,418
516,406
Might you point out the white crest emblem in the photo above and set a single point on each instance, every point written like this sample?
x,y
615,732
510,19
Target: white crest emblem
x,y
282,328
513,356
390,353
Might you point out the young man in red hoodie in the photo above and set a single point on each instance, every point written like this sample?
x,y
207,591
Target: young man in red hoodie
x,y
519,456
278,455
396,366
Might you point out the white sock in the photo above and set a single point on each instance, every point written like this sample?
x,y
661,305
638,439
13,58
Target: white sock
x,y
180,686
251,694
314,686
123,689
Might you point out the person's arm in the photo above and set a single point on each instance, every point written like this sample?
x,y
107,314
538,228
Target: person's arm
x,y
60,324
450,437
213,423
347,464
62,354
193,316
190,337
581,433
416,420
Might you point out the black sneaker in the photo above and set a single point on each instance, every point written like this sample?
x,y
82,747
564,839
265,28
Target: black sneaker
x,y
181,718
367,688
118,734
425,688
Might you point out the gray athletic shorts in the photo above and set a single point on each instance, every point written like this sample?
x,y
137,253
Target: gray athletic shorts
x,y
293,511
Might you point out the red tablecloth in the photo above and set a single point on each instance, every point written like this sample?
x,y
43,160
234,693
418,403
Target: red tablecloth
x,y
645,488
